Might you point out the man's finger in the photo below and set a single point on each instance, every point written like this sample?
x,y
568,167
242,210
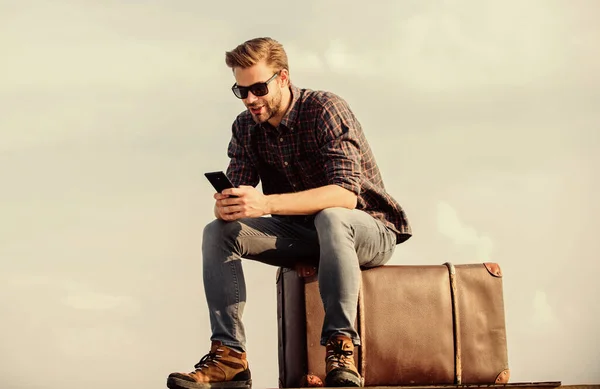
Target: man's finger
x,y
232,216
234,191
230,201
220,196
231,209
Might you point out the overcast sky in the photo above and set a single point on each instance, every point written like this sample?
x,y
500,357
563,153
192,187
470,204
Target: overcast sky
x,y
483,116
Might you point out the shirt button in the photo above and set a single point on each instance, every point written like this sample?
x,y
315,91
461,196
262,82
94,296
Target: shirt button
x,y
285,163
281,139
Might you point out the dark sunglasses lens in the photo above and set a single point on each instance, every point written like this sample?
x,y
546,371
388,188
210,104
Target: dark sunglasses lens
x,y
260,89
240,93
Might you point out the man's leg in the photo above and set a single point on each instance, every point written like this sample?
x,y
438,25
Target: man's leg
x,y
269,240
266,239
348,239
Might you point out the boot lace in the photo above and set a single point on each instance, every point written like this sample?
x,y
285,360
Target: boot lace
x,y
338,356
210,358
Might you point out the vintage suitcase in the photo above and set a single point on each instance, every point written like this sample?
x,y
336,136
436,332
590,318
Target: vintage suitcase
x,y
419,325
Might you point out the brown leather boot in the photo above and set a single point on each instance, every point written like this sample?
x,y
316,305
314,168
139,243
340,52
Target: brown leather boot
x,y
340,370
222,367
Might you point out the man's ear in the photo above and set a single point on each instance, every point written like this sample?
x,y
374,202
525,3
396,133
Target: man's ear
x,y
284,78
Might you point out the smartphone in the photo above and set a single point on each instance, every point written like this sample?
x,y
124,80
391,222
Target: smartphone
x,y
219,181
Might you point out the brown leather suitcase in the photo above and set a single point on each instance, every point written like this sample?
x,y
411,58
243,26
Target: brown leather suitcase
x,y
419,325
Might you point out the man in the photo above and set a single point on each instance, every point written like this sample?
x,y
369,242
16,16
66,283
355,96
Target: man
x,y
327,201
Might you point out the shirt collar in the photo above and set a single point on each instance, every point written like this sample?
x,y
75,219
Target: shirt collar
x,y
291,115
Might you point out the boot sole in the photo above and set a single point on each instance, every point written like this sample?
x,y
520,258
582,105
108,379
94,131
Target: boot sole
x,y
177,383
342,379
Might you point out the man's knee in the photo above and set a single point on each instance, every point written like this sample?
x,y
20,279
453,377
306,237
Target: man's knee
x,y
221,231
333,219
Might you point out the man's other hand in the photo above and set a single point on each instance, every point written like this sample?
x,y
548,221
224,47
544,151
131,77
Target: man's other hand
x,y
248,203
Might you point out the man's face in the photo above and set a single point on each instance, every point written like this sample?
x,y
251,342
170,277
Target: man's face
x,y
262,108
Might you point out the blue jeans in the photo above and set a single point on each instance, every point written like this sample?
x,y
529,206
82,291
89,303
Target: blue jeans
x,y
339,240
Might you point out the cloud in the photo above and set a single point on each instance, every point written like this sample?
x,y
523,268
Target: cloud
x,y
304,60
85,73
27,281
450,225
75,295
542,313
458,45
341,60
90,46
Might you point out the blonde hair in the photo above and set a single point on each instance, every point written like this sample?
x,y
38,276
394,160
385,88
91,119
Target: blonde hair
x,y
255,50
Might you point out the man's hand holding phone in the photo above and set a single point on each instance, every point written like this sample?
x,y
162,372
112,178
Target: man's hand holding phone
x,y
237,203
234,203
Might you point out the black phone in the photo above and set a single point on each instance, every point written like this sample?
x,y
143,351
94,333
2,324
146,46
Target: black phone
x,y
219,181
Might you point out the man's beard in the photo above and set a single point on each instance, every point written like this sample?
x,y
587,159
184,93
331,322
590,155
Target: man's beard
x,y
271,108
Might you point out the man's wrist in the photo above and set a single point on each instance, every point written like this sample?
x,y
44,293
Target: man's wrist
x,y
270,204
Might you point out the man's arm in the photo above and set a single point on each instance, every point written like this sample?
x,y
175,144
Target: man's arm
x,y
249,202
310,201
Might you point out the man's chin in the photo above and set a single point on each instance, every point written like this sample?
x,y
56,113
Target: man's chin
x,y
260,118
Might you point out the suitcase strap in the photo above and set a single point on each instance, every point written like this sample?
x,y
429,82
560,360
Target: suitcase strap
x,y
456,323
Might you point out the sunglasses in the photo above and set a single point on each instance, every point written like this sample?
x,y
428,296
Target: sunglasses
x,y
258,89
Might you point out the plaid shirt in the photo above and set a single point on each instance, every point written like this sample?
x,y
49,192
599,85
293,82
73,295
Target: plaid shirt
x,y
319,142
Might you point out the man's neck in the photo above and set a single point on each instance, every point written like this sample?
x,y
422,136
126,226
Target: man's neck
x,y
286,101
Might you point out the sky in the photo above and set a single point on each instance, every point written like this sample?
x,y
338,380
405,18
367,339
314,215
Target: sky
x,y
483,117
